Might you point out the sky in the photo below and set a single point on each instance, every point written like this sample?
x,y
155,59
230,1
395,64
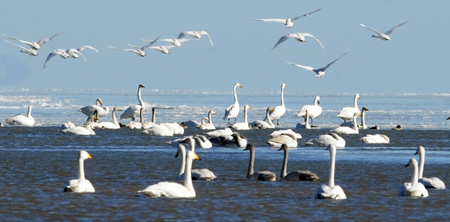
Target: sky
x,y
414,60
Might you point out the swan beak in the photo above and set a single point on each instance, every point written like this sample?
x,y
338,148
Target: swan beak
x,y
89,156
196,157
407,165
176,155
239,85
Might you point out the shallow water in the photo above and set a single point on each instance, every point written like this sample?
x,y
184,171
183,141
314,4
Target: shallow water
x,y
38,162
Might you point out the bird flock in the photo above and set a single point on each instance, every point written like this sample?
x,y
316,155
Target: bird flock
x,y
283,139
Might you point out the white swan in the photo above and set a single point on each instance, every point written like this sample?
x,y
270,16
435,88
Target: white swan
x,y
267,124
68,53
279,140
85,130
313,110
260,175
239,139
208,125
132,111
348,130
203,142
157,129
164,49
80,185
346,113
177,128
175,42
172,189
289,22
196,34
280,110
363,124
102,110
34,45
197,174
286,131
330,138
138,51
386,35
67,125
297,36
21,120
320,72
220,132
30,52
306,125
375,139
331,191
61,52
414,188
297,175
243,125
110,125
232,111
431,182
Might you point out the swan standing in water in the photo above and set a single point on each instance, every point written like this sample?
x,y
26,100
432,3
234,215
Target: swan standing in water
x,y
348,130
320,72
232,111
330,138
196,35
244,125
375,139
297,175
431,182
260,175
289,22
197,174
414,188
331,191
384,36
30,52
280,110
208,125
110,125
313,110
101,110
34,45
172,189
139,51
80,185
297,36
267,124
132,111
346,113
21,120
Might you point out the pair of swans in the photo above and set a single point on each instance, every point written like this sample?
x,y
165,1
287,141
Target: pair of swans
x,y
331,190
232,111
384,36
209,125
264,124
172,189
81,184
21,119
431,182
363,124
34,46
134,110
197,174
349,130
84,130
413,188
110,125
161,129
69,53
243,125
288,22
313,110
101,110
280,110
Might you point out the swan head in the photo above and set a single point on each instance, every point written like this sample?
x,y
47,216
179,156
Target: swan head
x,y
357,96
85,155
141,86
420,149
99,101
317,99
412,161
284,85
238,84
365,109
212,112
247,107
250,147
192,155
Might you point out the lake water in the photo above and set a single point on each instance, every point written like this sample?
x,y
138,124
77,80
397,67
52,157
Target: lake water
x,y
37,162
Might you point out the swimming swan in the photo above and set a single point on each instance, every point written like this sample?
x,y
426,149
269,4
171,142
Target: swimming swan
x,y
197,174
208,125
80,185
386,35
232,111
203,142
289,22
260,175
21,120
243,125
297,175
331,191
102,110
320,72
348,130
280,110
132,111
172,189
346,113
283,138
297,36
330,138
85,130
431,182
110,125
375,139
414,188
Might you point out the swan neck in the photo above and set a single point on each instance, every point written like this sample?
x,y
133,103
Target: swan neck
x,y
421,163
355,125
307,126
363,120
251,163
415,176
114,117
29,111
141,116
153,116
269,119
235,95
141,102
332,167
355,102
210,118
81,169
182,150
188,175
282,96
285,161
245,115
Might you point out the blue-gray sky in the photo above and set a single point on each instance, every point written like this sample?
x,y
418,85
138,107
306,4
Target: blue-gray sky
x,y
414,60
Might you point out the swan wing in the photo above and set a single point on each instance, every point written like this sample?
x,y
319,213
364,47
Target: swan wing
x,y
45,40
17,45
131,112
395,28
309,68
87,47
78,130
432,182
126,50
309,13
329,64
371,29
271,20
317,40
232,111
281,40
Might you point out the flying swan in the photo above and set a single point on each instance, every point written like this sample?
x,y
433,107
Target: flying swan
x,y
384,36
289,22
34,45
196,35
300,36
320,72
138,51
